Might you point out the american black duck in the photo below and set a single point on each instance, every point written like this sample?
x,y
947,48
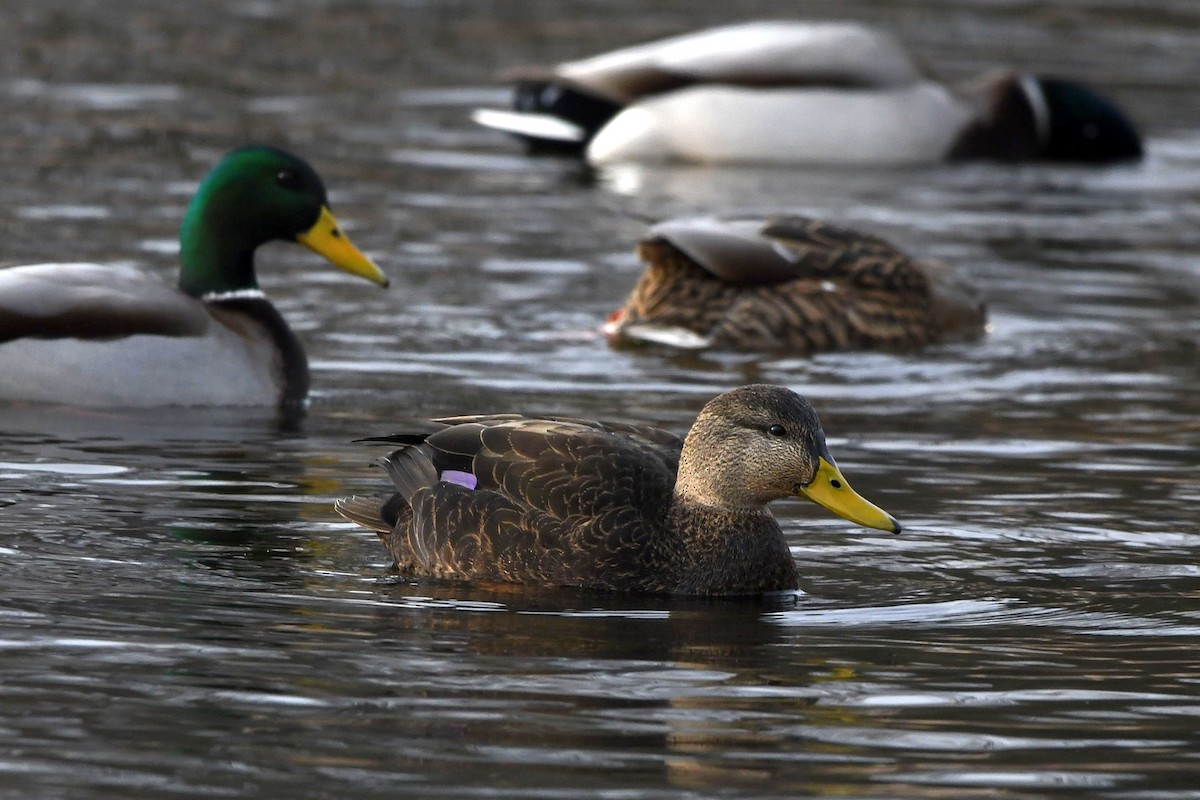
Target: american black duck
x,y
612,506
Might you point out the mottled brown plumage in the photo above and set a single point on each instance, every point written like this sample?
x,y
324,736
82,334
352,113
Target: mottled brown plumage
x,y
789,284
571,502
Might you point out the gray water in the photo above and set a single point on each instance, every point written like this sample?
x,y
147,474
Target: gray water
x,y
182,614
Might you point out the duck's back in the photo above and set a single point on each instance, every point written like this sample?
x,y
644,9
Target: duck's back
x,y
112,336
755,54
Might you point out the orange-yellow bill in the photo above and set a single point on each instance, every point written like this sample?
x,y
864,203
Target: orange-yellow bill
x,y
830,490
325,238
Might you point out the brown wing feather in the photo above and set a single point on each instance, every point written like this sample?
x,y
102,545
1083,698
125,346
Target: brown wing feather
x,y
744,252
557,501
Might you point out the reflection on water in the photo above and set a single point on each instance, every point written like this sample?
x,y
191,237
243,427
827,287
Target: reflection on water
x,y
183,615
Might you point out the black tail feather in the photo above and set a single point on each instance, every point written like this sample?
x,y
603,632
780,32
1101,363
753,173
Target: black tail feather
x,y
364,511
411,470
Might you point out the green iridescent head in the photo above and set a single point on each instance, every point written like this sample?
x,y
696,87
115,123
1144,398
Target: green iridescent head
x,y
253,196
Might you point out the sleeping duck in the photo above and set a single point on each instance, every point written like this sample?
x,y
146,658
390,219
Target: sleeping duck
x,y
611,506
102,335
813,92
789,284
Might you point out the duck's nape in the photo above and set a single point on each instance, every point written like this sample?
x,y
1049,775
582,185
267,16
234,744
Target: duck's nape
x,y
253,196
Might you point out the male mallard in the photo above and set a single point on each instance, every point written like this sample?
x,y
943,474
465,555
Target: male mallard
x,y
791,284
818,92
96,335
613,506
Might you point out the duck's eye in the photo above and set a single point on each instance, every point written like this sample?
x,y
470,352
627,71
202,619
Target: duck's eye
x,y
288,179
777,430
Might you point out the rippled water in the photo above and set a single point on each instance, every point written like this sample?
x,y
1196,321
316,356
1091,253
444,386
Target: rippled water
x,y
182,615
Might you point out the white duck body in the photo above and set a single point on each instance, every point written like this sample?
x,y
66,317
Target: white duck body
x,y
911,124
832,93
191,353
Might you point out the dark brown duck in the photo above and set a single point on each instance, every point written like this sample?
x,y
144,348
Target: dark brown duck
x,y
613,506
789,283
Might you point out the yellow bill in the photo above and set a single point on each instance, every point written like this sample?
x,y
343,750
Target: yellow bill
x,y
830,490
325,238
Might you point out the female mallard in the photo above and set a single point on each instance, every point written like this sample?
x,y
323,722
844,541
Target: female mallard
x,y
817,92
612,506
98,335
788,283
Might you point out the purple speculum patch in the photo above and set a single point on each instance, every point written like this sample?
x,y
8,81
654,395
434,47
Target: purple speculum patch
x,y
466,479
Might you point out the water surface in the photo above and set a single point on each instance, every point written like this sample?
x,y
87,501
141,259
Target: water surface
x,y
182,614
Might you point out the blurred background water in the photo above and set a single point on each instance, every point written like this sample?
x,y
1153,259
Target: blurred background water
x,y
182,615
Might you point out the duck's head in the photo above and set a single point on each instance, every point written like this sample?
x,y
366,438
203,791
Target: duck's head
x,y
759,443
253,196
1077,123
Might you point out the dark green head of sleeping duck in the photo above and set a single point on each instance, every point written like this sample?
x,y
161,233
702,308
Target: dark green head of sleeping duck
x,y
253,196
1036,117
772,440
1080,124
